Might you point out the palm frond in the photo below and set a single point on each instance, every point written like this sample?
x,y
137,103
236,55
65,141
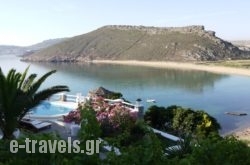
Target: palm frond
x,y
11,86
46,93
31,102
18,94
22,78
1,83
35,86
10,74
28,82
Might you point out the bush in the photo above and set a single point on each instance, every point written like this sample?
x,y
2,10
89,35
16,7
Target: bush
x,y
73,116
115,120
182,121
223,151
138,146
159,117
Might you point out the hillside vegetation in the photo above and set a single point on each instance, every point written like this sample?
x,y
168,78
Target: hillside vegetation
x,y
191,43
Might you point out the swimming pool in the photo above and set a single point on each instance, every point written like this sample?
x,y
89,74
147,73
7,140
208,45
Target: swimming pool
x,y
47,108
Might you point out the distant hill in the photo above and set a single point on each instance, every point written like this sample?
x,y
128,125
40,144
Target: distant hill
x,y
18,50
242,44
45,44
114,42
9,49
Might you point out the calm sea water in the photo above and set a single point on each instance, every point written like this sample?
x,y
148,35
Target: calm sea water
x,y
214,93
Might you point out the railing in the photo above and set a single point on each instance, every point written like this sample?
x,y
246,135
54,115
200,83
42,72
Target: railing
x,y
72,98
67,97
130,106
167,135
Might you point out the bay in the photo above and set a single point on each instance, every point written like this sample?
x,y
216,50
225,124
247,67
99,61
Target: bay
x,y
214,93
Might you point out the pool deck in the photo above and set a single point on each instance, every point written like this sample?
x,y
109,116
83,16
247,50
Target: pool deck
x,y
59,128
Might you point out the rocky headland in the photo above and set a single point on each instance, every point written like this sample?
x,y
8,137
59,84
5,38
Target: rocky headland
x,y
122,42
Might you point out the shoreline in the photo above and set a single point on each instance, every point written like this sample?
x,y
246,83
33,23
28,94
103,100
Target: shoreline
x,y
242,133
181,66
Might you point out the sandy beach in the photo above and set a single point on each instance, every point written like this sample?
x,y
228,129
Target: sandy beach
x,y
243,134
182,65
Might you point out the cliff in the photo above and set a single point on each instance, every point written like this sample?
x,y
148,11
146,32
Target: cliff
x,y
116,42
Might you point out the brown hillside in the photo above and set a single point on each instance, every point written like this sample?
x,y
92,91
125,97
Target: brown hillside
x,y
191,43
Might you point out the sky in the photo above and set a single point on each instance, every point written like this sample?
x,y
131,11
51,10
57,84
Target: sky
x,y
27,22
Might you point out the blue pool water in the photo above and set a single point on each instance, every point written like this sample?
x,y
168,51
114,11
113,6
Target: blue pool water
x,y
48,109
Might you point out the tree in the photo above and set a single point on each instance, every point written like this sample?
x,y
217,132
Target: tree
x,y
18,94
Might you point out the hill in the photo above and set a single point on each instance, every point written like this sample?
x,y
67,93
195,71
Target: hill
x,y
115,42
18,50
45,44
13,50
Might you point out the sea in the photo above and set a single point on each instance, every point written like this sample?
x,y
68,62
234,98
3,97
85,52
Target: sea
x,y
214,93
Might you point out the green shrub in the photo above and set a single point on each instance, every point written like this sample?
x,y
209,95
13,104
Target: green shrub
x,y
142,146
228,151
139,145
182,121
159,117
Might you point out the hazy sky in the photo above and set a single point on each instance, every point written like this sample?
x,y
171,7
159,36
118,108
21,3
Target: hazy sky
x,y
26,22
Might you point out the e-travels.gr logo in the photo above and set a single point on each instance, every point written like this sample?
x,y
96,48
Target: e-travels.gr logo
x,y
51,146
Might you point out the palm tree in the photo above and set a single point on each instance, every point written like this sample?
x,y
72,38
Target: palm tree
x,y
18,94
